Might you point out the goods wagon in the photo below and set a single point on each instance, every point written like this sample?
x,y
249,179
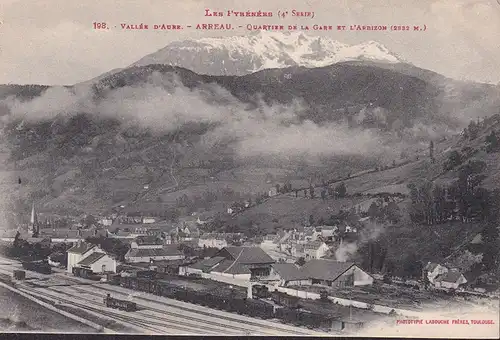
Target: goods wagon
x,y
284,299
215,299
304,318
260,292
128,306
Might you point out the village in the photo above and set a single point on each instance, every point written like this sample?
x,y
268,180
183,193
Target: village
x,y
307,264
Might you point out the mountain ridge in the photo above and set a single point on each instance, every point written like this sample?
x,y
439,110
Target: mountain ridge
x,y
240,55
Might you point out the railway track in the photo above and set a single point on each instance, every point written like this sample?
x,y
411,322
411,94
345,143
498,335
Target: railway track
x,y
126,320
177,315
199,310
194,318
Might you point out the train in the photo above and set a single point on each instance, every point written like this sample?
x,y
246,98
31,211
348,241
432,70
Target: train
x,y
280,298
128,306
38,266
289,312
286,300
19,275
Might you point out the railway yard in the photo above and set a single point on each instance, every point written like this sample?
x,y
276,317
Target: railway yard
x,y
154,315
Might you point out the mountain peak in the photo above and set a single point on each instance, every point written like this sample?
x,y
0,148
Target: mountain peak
x,y
260,49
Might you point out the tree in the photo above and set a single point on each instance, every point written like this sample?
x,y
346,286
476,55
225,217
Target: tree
x,y
473,130
323,296
89,220
311,219
412,267
323,194
491,141
374,210
431,151
490,232
341,190
300,261
392,212
311,191
454,160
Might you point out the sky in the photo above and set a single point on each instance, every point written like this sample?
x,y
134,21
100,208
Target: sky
x,y
53,41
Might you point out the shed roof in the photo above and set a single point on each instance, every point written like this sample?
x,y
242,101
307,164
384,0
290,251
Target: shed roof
x,y
288,271
324,269
231,267
248,255
91,259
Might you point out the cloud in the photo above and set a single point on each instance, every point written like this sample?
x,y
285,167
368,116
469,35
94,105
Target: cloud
x,y
163,104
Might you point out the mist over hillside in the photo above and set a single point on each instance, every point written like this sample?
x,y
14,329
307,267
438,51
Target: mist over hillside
x,y
173,128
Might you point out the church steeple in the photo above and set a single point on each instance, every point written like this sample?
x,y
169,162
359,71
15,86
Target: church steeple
x,y
33,226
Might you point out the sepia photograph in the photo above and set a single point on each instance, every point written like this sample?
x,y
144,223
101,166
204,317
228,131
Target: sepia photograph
x,y
250,168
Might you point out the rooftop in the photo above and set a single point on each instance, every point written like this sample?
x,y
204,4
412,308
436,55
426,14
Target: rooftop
x,y
165,251
91,259
81,248
288,271
323,269
148,240
247,255
450,276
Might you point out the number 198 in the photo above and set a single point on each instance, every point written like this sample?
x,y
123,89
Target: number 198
x,y
99,25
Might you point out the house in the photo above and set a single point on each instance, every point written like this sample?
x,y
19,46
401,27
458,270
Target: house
x,y
190,230
106,222
212,241
148,254
328,232
315,250
98,263
334,274
350,229
269,241
168,239
219,240
433,270
148,220
450,280
77,253
203,218
287,274
273,192
244,263
147,242
91,258
297,250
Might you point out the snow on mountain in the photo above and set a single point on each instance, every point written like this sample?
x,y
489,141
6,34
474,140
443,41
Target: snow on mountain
x,y
239,55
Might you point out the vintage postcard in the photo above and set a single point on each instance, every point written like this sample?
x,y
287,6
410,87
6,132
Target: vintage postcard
x,y
222,167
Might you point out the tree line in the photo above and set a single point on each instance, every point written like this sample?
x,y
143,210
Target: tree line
x,y
464,200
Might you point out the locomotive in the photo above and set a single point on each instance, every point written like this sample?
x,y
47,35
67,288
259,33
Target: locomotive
x,y
39,267
128,306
